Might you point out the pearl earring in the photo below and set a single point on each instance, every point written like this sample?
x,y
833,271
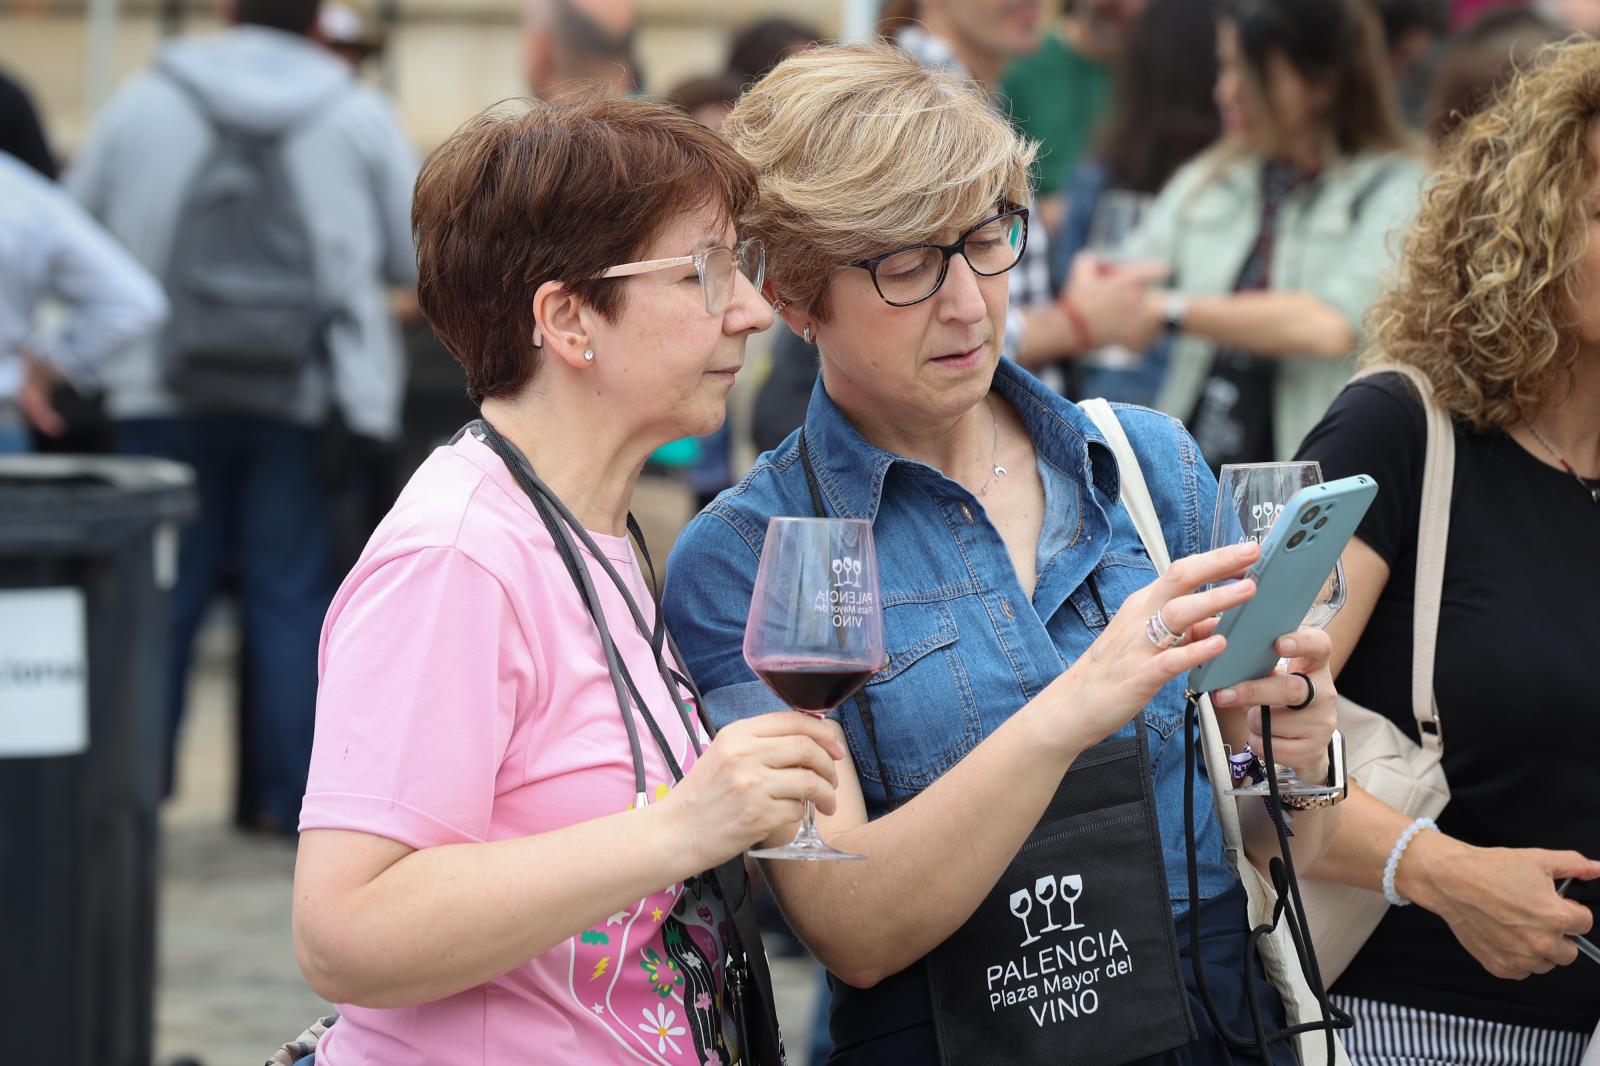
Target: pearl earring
x,y
588,355
807,333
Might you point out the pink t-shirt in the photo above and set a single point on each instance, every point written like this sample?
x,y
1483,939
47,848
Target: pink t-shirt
x,y
464,698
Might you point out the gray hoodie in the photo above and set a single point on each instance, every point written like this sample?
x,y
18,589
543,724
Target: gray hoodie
x,y
353,171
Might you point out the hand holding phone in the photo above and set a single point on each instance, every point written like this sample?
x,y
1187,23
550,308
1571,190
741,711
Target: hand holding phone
x,y
1296,558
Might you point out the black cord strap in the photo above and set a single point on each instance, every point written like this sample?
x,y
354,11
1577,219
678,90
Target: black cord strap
x,y
1286,886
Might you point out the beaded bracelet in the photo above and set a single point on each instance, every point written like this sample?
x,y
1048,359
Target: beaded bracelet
x,y
1399,849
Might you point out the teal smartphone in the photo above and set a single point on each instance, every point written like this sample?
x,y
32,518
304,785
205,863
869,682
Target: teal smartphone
x,y
1296,559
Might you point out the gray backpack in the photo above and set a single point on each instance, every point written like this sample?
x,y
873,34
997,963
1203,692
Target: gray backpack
x,y
247,314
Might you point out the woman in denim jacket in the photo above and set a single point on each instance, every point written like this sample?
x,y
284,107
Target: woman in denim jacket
x,y
1016,593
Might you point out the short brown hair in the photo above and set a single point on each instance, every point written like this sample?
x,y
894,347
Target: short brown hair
x,y
553,192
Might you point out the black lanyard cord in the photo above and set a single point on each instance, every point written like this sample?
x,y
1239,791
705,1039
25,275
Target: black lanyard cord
x,y
656,634
544,503
1286,886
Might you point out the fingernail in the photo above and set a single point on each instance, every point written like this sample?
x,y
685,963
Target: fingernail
x,y
1287,646
1225,697
1244,551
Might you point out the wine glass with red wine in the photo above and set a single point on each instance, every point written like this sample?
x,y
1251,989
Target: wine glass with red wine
x,y
815,632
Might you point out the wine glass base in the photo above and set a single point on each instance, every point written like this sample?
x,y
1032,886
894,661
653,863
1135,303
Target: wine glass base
x,y
806,851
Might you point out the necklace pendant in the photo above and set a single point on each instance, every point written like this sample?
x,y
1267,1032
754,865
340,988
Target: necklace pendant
x,y
1000,471
1594,494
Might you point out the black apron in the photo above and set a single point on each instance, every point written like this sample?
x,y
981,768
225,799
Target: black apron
x,y
749,982
1071,959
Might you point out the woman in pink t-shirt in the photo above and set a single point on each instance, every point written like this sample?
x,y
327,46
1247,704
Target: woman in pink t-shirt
x,y
499,863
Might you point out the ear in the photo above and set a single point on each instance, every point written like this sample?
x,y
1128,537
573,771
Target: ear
x,y
560,324
795,316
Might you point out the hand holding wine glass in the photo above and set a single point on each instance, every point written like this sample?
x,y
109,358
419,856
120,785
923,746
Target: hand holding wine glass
x,y
815,631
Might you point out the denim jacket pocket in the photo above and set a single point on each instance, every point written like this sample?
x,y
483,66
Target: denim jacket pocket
x,y
924,717
1118,576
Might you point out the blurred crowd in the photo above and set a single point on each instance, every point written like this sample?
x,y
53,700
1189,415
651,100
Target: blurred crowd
x,y
223,274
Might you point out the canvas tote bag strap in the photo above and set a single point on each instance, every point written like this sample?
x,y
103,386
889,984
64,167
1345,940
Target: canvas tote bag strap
x,y
1136,500
1433,537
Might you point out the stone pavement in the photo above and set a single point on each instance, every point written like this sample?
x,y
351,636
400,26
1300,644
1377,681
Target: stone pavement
x,y
229,989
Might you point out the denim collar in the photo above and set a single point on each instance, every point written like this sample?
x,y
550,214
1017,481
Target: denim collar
x,y
852,471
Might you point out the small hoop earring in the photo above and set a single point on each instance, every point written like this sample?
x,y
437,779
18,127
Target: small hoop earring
x,y
588,355
807,333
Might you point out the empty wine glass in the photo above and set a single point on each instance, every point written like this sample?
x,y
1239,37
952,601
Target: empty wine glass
x,y
1117,213
1250,499
815,630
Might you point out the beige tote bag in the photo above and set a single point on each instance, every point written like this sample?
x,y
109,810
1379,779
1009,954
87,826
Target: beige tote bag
x,y
1278,956
1381,758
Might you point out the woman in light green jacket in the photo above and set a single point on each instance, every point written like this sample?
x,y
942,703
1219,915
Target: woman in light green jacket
x,y
1279,238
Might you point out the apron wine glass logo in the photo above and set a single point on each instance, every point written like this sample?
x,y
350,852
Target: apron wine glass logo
x,y
847,573
1061,979
1044,889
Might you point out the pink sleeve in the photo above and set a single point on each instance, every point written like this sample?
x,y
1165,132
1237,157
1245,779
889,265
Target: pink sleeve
x,y
424,667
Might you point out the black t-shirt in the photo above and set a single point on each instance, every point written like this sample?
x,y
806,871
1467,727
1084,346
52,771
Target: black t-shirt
x,y
1515,680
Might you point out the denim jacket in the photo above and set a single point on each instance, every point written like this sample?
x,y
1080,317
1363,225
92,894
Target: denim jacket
x,y
966,646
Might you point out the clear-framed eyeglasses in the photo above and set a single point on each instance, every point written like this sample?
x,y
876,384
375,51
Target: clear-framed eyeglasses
x,y
717,267
910,275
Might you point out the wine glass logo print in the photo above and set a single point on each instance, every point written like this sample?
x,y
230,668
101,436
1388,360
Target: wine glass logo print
x,y
1262,517
847,573
1045,891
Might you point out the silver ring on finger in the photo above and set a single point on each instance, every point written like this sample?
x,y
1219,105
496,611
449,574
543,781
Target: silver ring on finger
x,y
1156,631
1311,693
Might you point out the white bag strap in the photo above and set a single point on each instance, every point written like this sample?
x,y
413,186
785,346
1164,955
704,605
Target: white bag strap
x,y
1433,537
1141,508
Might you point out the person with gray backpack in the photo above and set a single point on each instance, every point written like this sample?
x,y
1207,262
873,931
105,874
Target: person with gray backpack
x,y
271,194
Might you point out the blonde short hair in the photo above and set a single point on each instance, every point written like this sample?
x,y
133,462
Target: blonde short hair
x,y
859,150
1491,268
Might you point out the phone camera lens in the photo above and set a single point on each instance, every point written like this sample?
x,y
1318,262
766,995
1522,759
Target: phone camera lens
x,y
1311,512
1320,523
1298,538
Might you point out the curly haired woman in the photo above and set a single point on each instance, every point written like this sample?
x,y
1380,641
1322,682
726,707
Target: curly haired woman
x,y
1498,304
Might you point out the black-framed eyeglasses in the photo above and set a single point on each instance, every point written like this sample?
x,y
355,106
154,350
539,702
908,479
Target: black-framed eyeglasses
x,y
910,275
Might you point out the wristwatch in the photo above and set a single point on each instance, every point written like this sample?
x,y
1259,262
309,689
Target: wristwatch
x,y
1337,778
1173,311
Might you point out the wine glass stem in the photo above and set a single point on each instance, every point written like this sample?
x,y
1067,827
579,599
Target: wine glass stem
x,y
808,827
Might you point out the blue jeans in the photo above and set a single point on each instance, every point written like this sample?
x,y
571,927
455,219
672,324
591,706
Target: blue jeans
x,y
264,516
14,440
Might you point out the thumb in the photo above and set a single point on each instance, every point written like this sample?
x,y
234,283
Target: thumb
x,y
1563,864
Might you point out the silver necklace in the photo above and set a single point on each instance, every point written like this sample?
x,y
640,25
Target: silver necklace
x,y
995,469
1593,488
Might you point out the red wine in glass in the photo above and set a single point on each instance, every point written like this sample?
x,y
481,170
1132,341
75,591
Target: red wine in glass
x,y
814,686
815,631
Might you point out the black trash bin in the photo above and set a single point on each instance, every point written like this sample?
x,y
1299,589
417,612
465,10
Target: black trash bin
x,y
88,551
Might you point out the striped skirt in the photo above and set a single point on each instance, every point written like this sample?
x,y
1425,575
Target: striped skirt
x,y
1387,1034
